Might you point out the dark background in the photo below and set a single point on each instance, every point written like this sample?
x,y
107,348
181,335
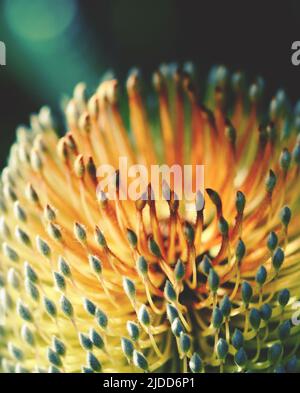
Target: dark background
x,y
255,36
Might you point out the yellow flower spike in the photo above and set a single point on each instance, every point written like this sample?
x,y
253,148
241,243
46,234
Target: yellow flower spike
x,y
90,282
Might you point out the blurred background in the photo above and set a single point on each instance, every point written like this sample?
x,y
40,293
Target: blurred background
x,y
53,44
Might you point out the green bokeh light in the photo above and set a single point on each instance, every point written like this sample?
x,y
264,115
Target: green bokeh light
x,y
37,20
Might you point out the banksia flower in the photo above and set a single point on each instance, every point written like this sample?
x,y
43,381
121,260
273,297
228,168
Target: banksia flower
x,y
91,283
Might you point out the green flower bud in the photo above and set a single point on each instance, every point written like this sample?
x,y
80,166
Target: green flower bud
x,y
265,312
277,259
127,347
241,358
195,363
213,280
133,330
93,362
89,306
222,349
169,292
283,297
217,318
101,318
205,265
59,346
179,270
247,292
237,339
254,318
272,241
261,276
140,361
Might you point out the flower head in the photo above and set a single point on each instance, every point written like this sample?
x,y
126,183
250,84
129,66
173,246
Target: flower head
x,y
93,284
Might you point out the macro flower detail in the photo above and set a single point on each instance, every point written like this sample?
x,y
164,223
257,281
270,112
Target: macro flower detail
x,y
90,284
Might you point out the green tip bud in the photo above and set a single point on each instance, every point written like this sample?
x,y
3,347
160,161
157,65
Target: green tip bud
x,y
177,327
58,346
285,215
100,237
50,307
284,330
96,339
185,342
129,288
32,290
132,238
222,349
43,247
179,270
272,241
93,362
27,335
169,292
24,312
13,278
95,264
205,265
241,358
278,258
240,250
144,316
195,363
225,306
66,306
89,306
142,266
213,280
271,181
285,160
85,342
30,274
275,352
237,339
54,231
153,247
10,253
64,267
54,358
189,232
133,330
127,347
172,312
283,297
247,292
101,318
261,275
254,318
79,232
59,281
240,202
15,352
223,226
140,361
217,318
22,237
266,312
